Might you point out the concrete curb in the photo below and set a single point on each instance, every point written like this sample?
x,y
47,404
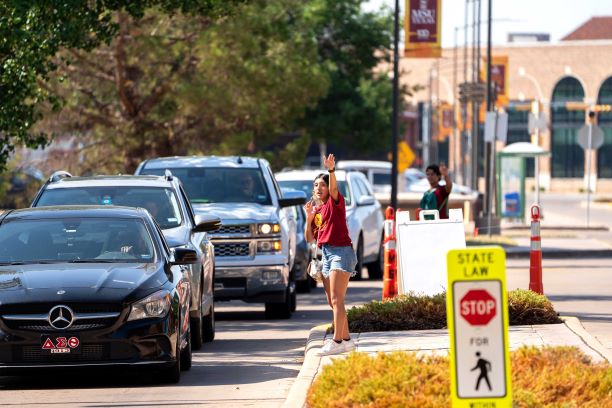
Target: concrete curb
x,y
573,323
299,390
523,253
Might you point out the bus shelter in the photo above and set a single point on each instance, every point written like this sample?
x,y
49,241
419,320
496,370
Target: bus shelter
x,y
511,164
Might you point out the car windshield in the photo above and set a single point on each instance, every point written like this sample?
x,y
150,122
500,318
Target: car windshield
x,y
307,186
220,185
93,240
161,202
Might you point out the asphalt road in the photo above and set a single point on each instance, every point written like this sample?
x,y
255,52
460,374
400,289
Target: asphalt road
x,y
252,362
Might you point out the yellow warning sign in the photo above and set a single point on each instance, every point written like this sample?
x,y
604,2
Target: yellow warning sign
x,y
405,156
477,305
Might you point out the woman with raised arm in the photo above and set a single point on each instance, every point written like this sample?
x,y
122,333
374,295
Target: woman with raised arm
x,y
326,223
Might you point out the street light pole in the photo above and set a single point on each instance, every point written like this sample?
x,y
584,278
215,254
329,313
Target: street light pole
x,y
394,119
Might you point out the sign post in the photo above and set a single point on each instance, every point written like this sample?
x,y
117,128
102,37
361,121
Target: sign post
x,y
590,137
477,313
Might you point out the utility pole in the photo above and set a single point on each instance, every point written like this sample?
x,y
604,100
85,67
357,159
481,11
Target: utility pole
x,y
394,119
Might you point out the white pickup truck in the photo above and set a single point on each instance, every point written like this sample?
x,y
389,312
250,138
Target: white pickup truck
x,y
255,247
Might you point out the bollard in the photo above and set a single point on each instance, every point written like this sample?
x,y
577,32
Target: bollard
x,y
535,256
390,267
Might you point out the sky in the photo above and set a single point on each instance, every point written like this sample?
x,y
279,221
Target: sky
x,y
555,17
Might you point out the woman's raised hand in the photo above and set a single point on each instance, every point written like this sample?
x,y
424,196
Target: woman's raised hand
x,y
329,162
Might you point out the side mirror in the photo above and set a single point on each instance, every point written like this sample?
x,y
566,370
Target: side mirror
x,y
366,200
184,256
291,198
206,223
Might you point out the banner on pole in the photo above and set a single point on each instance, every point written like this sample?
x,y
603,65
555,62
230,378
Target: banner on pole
x,y
499,78
423,28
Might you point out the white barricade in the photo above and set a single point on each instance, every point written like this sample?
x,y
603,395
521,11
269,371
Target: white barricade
x,y
422,247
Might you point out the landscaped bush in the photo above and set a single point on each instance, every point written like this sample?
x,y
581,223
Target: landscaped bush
x,y
548,377
420,312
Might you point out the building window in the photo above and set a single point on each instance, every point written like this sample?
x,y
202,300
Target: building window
x,y
567,155
518,130
604,119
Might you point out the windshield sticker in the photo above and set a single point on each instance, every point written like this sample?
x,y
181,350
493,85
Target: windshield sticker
x,y
106,200
172,219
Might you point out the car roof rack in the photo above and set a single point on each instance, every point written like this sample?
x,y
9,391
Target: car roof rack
x,y
168,175
58,175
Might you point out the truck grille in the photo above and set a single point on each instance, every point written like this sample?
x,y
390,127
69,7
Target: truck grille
x,y
232,249
233,229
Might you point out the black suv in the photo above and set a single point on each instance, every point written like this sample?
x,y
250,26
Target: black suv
x,y
165,199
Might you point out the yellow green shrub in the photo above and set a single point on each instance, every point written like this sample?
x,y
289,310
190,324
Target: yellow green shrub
x,y
560,377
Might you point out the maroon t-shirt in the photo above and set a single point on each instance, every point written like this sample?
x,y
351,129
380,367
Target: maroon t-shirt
x,y
329,223
441,196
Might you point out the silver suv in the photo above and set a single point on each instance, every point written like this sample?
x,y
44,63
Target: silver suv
x,y
255,248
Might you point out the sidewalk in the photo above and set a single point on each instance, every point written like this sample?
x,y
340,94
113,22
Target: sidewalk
x,y
569,333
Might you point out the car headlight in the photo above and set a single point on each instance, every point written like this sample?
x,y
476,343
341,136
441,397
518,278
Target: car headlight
x,y
269,246
269,228
155,305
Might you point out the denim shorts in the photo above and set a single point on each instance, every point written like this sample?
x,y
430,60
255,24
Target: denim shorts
x,y
338,257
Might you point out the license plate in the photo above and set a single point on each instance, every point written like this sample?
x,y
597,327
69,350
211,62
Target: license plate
x,y
60,344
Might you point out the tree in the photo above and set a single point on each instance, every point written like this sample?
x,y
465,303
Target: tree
x,y
189,85
31,34
352,45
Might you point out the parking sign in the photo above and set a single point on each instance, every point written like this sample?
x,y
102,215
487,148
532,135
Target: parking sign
x,y
477,316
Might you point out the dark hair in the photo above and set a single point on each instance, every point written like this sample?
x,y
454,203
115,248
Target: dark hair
x,y
435,168
324,176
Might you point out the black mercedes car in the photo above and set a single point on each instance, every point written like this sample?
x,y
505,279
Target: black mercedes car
x,y
92,286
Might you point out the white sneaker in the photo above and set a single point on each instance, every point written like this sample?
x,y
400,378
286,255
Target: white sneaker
x,y
331,347
349,345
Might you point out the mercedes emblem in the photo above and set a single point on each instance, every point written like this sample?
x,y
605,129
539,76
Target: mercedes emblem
x,y
61,317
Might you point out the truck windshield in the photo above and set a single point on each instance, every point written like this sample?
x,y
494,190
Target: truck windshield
x,y
220,184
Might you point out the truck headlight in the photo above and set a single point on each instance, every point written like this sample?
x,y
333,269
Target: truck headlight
x,y
269,228
155,305
269,246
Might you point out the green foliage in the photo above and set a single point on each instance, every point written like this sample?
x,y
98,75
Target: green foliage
x,y
527,307
352,45
404,312
420,312
188,85
548,377
32,33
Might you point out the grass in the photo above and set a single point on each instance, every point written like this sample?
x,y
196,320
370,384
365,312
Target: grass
x,y
548,377
421,312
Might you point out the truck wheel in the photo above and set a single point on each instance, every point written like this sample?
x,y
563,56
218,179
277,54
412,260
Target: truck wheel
x,y
375,269
359,266
280,310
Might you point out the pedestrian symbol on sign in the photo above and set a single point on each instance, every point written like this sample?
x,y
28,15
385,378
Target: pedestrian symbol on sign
x,y
484,366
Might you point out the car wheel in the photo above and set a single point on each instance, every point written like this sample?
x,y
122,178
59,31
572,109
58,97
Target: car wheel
x,y
281,310
293,298
172,374
375,269
208,329
359,266
196,331
304,286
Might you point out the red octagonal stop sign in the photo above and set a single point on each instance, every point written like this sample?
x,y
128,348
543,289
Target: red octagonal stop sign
x,y
478,307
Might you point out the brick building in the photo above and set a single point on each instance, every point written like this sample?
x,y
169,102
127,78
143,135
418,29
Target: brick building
x,y
564,77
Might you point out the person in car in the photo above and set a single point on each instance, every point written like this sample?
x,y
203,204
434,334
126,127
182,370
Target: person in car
x,y
326,223
436,198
